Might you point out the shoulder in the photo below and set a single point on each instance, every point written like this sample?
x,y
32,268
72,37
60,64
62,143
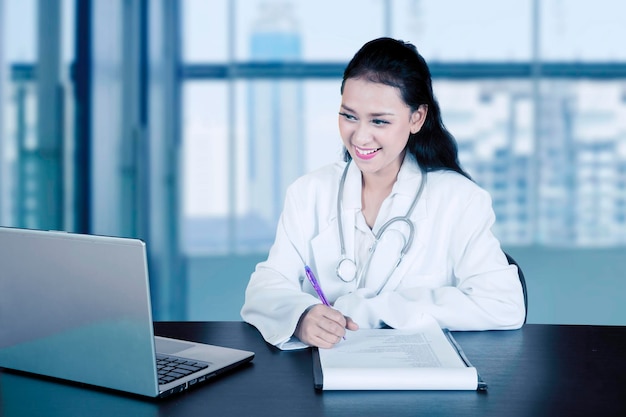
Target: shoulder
x,y
317,186
452,186
320,179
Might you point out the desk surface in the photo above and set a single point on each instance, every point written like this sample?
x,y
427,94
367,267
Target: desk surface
x,y
540,370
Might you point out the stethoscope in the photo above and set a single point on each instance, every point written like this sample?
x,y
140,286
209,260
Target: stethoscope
x,y
346,268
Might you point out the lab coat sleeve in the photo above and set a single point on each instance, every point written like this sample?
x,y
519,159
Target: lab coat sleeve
x,y
274,300
485,292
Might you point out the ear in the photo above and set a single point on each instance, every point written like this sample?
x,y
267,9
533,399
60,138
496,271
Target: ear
x,y
418,117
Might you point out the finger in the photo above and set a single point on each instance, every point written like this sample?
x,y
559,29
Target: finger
x,y
351,325
335,316
332,328
322,344
327,340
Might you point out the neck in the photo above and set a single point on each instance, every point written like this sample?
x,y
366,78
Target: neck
x,y
383,179
375,188
378,183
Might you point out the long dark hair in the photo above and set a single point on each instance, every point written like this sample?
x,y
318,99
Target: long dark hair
x,y
398,64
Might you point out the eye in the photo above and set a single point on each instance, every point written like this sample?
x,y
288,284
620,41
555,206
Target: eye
x,y
379,122
347,116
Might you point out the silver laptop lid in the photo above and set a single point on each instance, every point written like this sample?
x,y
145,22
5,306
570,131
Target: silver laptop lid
x,y
77,307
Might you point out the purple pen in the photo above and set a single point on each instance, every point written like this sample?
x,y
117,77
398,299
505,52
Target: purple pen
x,y
316,285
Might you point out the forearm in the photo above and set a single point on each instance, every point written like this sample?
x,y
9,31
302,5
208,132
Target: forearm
x,y
274,307
468,308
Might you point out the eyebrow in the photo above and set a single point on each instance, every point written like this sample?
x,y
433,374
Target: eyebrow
x,y
346,108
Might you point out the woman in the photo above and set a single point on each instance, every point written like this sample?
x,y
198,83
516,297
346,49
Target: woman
x,y
396,232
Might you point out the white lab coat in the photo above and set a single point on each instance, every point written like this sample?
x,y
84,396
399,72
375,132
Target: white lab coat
x,y
454,271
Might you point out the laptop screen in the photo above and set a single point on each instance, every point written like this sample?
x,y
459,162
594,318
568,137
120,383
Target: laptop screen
x,y
77,307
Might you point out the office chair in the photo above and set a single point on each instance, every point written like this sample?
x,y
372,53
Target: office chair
x,y
522,281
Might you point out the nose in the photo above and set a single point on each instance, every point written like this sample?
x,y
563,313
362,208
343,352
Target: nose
x,y
362,134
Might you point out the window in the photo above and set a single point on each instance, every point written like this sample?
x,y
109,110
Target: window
x,y
197,141
528,117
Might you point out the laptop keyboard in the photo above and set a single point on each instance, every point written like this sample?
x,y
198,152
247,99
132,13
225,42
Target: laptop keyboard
x,y
171,368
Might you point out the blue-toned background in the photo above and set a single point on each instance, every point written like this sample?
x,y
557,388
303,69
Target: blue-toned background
x,y
182,123
564,286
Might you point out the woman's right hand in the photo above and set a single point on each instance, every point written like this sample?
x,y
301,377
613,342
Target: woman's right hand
x,y
323,326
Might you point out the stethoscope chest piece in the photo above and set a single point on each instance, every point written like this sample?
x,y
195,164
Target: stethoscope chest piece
x,y
346,270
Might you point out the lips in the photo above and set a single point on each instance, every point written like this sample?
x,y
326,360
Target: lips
x,y
364,153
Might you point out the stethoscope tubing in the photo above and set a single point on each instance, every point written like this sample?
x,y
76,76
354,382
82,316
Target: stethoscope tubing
x,y
405,219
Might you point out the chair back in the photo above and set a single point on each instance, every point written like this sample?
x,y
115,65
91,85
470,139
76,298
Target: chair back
x,y
522,281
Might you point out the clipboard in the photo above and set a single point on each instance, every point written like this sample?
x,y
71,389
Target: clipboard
x,y
318,371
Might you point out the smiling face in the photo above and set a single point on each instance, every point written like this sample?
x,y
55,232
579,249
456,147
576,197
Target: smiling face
x,y
375,124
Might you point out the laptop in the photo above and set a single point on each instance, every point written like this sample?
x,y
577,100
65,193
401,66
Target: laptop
x,y
77,307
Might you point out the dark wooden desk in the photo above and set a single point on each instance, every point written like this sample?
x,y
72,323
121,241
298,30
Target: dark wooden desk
x,y
541,370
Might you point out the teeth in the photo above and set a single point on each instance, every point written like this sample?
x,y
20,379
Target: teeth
x,y
364,152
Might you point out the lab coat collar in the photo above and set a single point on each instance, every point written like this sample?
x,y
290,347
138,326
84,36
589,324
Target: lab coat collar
x,y
352,188
409,175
